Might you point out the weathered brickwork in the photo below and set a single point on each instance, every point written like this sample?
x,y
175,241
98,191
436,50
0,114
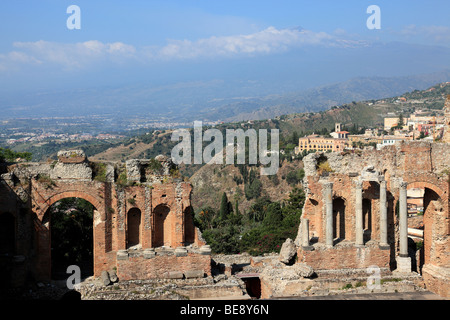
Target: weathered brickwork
x,y
446,136
166,265
345,256
412,164
125,215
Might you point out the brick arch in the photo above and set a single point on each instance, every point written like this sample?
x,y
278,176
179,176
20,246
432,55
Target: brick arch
x,y
189,228
43,267
423,185
70,194
163,224
340,218
429,220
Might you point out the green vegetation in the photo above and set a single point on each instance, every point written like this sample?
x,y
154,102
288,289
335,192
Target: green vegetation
x,y
98,171
11,156
45,180
261,229
294,177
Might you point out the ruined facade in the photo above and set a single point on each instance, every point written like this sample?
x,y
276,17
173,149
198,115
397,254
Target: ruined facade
x,y
446,136
142,224
355,213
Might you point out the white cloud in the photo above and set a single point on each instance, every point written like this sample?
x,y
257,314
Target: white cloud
x,y
438,34
84,54
66,55
270,40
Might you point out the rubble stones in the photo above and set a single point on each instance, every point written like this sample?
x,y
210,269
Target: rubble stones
x,y
288,251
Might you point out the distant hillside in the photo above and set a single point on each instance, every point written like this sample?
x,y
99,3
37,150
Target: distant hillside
x,y
324,97
225,100
211,181
368,113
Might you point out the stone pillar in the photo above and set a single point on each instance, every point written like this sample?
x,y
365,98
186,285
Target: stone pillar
x,y
359,232
305,235
383,216
403,220
328,199
403,261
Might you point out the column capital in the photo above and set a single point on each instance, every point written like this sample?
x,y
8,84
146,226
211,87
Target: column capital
x,y
328,185
358,183
403,185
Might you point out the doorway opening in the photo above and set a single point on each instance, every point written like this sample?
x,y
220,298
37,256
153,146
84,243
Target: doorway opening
x,y
71,234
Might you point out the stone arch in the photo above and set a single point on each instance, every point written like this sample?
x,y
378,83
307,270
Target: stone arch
x,y
7,233
134,217
162,235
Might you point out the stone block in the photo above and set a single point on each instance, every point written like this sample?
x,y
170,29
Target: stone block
x,y
71,156
122,255
403,265
173,275
149,254
181,252
205,250
288,251
194,274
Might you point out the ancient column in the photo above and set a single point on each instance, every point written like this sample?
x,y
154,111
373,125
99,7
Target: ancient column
x,y
403,261
383,216
359,232
305,235
328,199
403,220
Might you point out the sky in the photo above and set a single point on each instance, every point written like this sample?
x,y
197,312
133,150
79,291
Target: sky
x,y
125,42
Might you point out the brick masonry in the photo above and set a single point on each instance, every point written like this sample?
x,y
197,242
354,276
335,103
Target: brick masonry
x,y
28,191
421,165
164,266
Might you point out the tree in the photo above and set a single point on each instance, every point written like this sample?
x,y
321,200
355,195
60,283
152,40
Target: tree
x,y
236,207
273,216
401,121
253,190
225,206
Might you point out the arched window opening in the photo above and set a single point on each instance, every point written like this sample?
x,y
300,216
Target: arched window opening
x,y
133,227
162,232
189,228
339,219
72,239
367,219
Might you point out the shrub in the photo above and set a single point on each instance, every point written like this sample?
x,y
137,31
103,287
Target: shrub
x,y
98,171
324,167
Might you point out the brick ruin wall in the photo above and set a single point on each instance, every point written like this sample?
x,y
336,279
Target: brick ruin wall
x,y
419,164
160,202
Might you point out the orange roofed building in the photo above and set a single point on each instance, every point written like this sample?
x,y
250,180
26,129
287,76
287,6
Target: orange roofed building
x,y
320,143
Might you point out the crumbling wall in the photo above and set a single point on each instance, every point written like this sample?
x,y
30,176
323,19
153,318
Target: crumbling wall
x,y
28,190
419,164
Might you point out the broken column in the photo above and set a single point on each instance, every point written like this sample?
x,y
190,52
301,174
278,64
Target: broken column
x,y
403,260
359,232
383,216
305,235
328,199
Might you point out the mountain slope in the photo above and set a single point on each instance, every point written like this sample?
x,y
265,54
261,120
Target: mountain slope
x,y
226,100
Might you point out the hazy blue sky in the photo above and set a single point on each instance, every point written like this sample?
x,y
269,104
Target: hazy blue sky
x,y
124,42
